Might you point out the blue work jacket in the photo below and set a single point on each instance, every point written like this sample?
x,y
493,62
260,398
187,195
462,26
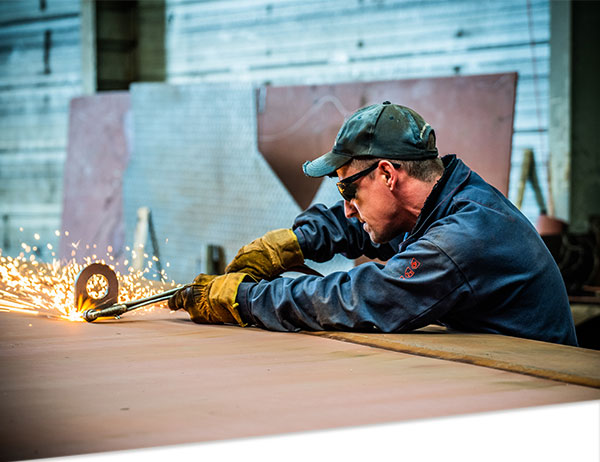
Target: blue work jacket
x,y
472,262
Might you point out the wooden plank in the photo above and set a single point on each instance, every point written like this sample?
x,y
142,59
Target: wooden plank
x,y
540,359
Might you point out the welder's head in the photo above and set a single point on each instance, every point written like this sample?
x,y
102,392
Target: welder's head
x,y
383,130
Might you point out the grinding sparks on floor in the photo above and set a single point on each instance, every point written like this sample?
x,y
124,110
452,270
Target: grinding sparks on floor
x,y
47,289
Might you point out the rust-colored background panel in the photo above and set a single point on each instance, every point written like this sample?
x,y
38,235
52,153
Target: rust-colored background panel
x,y
97,156
472,117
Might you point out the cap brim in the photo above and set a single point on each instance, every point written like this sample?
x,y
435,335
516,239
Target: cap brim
x,y
325,165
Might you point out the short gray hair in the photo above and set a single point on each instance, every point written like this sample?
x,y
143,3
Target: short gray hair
x,y
424,170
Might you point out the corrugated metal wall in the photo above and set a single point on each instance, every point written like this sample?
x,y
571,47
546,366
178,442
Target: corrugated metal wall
x,y
279,42
40,71
302,42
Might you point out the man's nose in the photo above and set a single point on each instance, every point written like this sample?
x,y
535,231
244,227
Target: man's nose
x,y
349,209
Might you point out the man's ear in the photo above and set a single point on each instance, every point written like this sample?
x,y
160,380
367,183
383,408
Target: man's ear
x,y
389,173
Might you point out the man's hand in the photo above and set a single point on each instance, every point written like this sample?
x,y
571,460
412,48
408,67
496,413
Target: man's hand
x,y
269,256
210,299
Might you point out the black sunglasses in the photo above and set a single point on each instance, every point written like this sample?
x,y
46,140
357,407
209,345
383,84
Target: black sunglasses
x,y
348,188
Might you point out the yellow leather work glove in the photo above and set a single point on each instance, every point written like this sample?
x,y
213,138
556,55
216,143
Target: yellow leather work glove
x,y
210,299
269,256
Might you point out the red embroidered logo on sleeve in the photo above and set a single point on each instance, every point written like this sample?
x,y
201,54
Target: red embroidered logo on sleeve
x,y
409,271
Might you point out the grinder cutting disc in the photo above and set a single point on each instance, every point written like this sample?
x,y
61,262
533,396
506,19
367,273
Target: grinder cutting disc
x,y
83,299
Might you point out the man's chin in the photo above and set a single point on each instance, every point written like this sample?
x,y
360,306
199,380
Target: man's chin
x,y
377,239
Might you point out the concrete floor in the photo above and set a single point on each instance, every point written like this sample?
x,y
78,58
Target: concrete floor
x,y
155,378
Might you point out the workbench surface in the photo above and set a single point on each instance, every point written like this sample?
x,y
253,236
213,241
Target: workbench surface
x,y
155,378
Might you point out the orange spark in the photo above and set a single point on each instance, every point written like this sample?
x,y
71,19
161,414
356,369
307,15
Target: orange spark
x,y
40,288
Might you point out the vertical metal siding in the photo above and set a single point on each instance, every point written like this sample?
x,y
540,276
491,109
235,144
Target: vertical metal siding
x,y
302,42
257,41
39,74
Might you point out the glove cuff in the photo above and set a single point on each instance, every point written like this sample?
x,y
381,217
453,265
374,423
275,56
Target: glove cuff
x,y
285,243
223,292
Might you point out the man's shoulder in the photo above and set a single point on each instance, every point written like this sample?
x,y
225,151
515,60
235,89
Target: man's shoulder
x,y
474,216
478,198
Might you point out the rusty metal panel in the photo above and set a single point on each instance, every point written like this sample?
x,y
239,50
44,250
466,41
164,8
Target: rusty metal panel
x,y
472,117
155,378
97,155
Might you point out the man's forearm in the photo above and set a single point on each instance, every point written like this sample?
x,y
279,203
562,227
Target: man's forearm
x,y
370,297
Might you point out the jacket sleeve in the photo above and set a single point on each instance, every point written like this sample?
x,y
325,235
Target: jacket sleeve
x,y
415,288
324,232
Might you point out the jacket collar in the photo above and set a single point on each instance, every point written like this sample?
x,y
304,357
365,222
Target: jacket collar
x,y
455,175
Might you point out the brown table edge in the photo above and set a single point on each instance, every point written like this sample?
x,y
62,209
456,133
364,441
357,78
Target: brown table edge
x,y
544,373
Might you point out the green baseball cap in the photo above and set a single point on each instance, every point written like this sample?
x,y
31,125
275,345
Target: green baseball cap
x,y
382,130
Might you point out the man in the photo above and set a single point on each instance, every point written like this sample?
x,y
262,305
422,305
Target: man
x,y
457,252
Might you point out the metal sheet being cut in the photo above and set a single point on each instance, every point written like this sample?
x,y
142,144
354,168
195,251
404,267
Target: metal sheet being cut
x,y
155,378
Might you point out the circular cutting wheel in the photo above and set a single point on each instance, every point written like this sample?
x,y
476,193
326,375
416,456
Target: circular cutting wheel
x,y
96,286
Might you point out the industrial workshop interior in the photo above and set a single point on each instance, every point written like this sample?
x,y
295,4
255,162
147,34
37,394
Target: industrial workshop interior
x,y
292,229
